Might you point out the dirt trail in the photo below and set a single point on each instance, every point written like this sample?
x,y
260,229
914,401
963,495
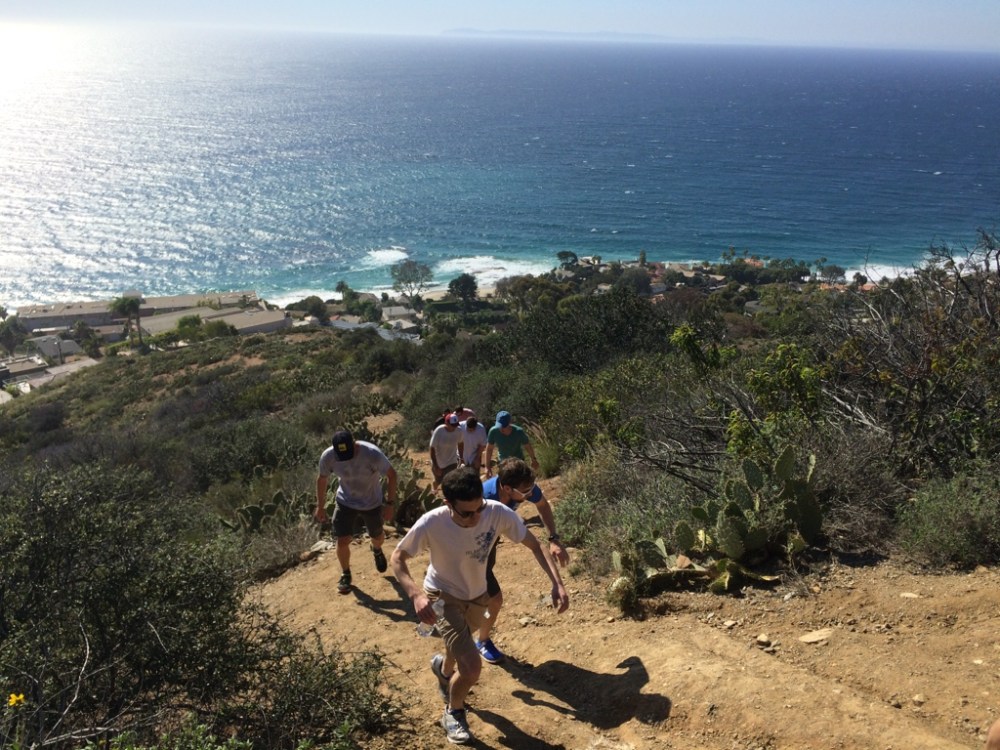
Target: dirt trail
x,y
910,661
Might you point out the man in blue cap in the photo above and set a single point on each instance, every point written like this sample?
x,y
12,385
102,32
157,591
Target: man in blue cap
x,y
509,440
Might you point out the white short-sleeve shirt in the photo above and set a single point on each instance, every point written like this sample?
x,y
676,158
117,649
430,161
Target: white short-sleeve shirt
x,y
459,554
472,442
445,445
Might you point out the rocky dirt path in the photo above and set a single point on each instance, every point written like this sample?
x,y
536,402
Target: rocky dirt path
x,y
898,660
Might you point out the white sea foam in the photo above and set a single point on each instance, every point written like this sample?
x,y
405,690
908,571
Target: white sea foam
x,y
877,272
487,269
384,257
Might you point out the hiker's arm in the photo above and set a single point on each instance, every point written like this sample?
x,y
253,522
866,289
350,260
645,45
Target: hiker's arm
x,y
389,506
421,604
560,599
555,544
531,452
321,485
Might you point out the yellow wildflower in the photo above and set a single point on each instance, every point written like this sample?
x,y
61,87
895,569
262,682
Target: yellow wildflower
x,y
16,699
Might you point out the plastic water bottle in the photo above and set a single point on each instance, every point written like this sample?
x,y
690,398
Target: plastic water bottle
x,y
423,629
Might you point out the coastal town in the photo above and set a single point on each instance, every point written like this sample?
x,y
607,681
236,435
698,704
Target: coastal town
x,y
52,346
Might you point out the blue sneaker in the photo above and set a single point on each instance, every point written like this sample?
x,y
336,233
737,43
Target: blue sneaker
x,y
490,652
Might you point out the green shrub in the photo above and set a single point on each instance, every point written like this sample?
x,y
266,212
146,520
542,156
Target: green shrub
x,y
954,522
120,612
609,505
244,449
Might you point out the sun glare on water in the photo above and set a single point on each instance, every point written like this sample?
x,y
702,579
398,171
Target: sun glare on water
x,y
30,53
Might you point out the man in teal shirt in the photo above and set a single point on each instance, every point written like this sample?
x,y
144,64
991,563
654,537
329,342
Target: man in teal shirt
x,y
509,440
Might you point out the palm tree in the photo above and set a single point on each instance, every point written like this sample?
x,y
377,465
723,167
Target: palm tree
x,y
127,307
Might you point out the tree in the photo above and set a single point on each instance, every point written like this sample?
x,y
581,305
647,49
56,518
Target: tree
x,y
832,273
87,338
347,295
567,258
465,288
636,279
410,278
127,307
12,333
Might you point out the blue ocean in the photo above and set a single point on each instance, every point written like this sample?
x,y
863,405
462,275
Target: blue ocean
x,y
184,160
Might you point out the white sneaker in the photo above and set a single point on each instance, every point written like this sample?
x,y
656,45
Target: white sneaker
x,y
456,727
437,667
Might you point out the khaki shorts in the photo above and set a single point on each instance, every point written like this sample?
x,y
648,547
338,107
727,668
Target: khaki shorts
x,y
461,619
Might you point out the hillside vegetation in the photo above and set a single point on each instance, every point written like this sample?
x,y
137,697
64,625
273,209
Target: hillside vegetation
x,y
699,447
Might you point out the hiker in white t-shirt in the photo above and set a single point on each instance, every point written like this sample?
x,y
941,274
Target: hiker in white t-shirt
x,y
459,536
445,448
473,443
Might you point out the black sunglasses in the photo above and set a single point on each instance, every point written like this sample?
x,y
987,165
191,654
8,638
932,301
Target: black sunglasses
x,y
469,513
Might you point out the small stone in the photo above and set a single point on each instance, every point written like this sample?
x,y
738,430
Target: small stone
x,y
763,640
919,699
732,623
909,595
816,636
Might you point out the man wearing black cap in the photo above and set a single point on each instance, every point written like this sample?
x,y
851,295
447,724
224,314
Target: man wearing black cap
x,y
359,466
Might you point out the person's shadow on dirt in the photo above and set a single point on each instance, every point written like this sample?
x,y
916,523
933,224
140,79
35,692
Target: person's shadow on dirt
x,y
604,701
512,737
395,609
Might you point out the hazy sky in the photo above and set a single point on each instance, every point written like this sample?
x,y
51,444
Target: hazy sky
x,y
927,24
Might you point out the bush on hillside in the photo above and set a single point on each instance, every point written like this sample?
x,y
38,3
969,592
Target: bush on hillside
x,y
120,611
609,505
955,522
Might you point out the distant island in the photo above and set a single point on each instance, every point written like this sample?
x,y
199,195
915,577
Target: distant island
x,y
591,36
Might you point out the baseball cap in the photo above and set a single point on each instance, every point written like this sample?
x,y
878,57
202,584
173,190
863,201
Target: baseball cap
x,y
503,418
343,445
451,419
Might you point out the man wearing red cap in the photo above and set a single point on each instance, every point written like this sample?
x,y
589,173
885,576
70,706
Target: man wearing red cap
x,y
446,448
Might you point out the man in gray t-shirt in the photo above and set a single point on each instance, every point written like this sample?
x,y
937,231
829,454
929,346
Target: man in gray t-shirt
x,y
359,466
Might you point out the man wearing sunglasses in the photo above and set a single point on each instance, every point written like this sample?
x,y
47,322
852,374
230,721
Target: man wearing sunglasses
x,y
513,484
459,536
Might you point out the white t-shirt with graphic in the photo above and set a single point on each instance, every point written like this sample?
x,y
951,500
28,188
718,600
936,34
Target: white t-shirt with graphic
x,y
458,554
